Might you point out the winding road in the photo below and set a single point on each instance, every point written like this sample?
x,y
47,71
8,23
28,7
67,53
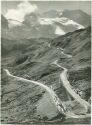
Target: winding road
x,y
68,87
57,102
62,51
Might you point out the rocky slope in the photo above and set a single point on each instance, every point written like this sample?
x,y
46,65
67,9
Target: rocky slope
x,y
78,16
32,59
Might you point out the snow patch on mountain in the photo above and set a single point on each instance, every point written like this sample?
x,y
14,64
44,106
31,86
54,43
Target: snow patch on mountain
x,y
14,23
45,21
59,31
64,21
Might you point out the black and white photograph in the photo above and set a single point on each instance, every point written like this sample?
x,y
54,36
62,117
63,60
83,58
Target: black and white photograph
x,y
45,62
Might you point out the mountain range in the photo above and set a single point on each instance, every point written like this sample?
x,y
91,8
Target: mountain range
x,y
32,59
48,24
30,49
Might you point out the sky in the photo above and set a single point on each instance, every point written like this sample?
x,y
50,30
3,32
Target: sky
x,y
18,9
47,5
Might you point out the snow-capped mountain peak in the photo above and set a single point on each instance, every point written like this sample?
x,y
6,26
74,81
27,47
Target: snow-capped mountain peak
x,y
37,25
60,24
64,21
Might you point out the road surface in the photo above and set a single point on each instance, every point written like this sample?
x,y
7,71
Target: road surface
x,y
58,103
68,87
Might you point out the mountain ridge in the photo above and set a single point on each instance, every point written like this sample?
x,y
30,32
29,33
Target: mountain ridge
x,y
46,26
35,59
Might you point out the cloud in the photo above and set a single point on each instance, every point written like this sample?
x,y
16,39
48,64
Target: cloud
x,y
22,9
